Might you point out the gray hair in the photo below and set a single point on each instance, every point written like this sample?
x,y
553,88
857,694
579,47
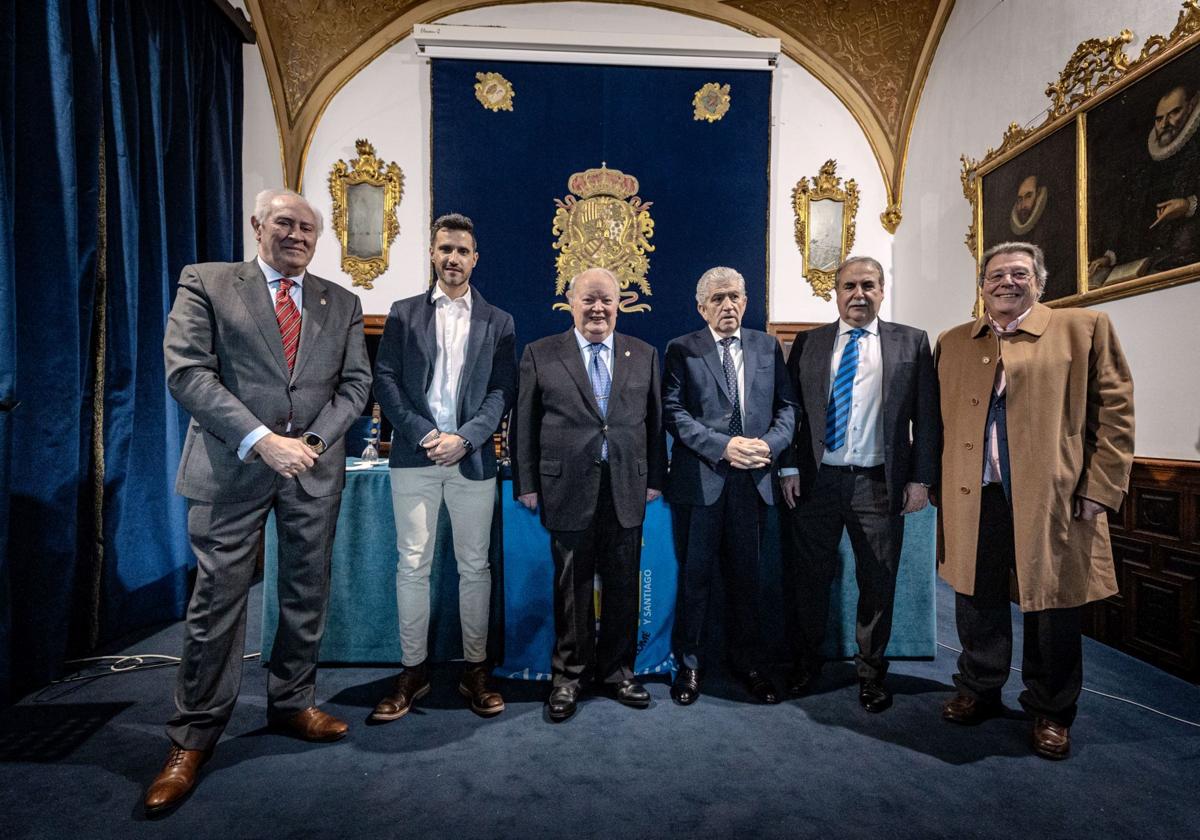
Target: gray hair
x,y
715,277
1028,249
616,283
262,206
849,261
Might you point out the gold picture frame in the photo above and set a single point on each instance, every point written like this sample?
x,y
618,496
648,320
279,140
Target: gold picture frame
x,y
825,219
366,193
1103,135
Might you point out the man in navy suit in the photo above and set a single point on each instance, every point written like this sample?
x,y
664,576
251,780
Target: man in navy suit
x,y
729,405
445,376
865,455
588,450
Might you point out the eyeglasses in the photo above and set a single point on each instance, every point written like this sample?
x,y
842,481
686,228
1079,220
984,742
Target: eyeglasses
x,y
1018,275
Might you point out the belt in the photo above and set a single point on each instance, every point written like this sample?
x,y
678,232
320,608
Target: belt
x,y
853,468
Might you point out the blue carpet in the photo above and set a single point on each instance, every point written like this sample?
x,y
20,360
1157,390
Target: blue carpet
x,y
74,760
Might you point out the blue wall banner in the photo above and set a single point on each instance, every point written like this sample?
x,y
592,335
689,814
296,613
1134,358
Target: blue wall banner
x,y
617,154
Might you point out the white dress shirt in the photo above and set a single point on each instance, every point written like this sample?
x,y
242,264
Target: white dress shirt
x,y
991,444
585,353
453,327
864,440
739,364
297,295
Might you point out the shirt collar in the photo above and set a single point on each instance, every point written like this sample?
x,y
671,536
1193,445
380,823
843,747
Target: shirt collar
x,y
274,276
584,343
1012,326
717,337
439,295
872,328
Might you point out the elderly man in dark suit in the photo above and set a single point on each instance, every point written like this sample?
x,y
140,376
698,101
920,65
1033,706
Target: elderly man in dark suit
x,y
864,457
729,405
445,376
588,449
271,364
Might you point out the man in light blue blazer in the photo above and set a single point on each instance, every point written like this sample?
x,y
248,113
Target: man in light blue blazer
x,y
729,404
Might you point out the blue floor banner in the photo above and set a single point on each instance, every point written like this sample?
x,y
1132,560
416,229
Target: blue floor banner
x,y
655,173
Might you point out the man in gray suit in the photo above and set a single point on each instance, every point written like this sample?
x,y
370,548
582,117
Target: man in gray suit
x,y
445,376
271,364
729,405
864,456
588,449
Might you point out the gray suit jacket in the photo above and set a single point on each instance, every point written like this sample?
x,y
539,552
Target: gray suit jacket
x,y
697,408
557,431
225,366
910,424
404,371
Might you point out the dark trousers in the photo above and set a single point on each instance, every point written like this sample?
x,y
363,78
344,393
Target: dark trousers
x,y
857,502
225,539
1052,659
613,552
726,537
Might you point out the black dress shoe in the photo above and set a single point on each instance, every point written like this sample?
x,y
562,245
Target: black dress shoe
x,y
686,687
801,680
760,687
633,694
872,696
561,704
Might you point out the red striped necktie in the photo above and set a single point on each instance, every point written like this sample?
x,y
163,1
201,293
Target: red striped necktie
x,y
288,317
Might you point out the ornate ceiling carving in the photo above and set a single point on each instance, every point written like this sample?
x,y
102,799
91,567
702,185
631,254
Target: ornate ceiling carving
x,y
873,54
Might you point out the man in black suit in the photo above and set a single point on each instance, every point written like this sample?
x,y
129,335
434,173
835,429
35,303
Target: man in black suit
x,y
729,405
588,449
445,376
865,455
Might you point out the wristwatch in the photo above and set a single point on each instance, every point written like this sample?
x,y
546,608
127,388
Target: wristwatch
x,y
313,442
467,445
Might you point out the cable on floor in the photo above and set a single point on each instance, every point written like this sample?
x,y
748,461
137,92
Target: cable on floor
x,y
126,664
1103,694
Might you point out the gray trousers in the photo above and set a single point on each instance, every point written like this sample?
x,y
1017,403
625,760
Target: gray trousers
x,y
225,540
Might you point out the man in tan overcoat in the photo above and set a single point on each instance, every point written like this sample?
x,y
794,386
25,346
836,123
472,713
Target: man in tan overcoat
x,y
1037,408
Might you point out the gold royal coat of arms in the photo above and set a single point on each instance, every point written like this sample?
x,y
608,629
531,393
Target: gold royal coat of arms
x,y
606,225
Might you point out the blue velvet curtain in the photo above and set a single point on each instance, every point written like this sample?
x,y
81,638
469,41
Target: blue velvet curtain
x,y
173,129
120,163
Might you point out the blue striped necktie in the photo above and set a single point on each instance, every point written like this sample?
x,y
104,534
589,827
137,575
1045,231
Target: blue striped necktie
x,y
601,387
837,413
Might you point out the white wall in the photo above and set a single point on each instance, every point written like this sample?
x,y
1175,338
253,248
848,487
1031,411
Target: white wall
x,y
388,103
988,72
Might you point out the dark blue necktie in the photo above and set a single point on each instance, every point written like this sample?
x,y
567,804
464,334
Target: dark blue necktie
x,y
837,413
731,384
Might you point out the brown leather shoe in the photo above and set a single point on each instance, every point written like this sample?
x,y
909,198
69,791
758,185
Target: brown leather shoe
x,y
312,725
175,781
967,710
474,686
411,686
1051,740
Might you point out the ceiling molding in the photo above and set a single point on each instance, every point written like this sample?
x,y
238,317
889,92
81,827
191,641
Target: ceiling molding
x,y
874,55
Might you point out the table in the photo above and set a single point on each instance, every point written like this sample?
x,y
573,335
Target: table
x,y
362,628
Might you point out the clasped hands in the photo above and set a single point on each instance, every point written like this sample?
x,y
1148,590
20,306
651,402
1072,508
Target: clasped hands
x,y
288,456
444,448
745,453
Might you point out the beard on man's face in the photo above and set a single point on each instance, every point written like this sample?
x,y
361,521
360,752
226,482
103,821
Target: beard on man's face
x,y
1024,211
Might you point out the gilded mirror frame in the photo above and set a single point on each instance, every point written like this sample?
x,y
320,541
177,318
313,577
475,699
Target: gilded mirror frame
x,y
826,186
1097,72
365,169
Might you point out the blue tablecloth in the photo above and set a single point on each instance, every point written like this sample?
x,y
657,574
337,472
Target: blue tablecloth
x,y
362,627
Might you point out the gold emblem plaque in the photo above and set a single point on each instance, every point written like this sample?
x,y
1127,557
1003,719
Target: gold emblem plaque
x,y
604,225
365,195
711,102
494,92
